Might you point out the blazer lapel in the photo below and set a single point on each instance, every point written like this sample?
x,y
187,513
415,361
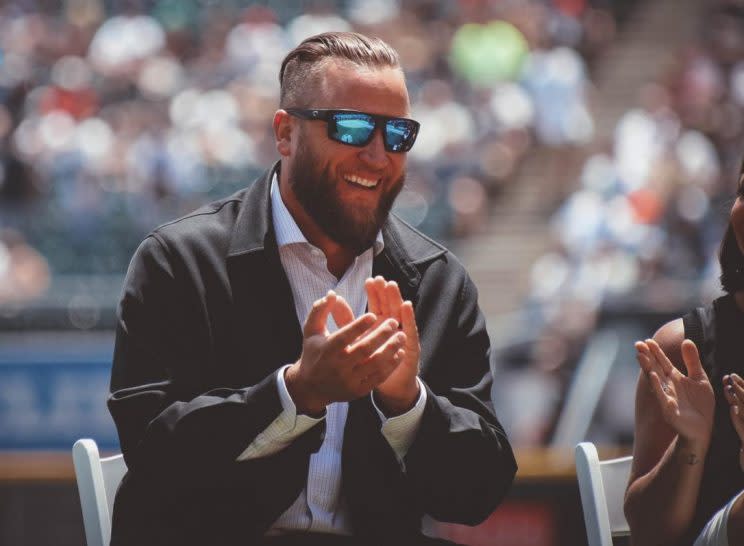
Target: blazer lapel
x,y
264,321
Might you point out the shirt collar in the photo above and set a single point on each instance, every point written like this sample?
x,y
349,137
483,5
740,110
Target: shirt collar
x,y
287,230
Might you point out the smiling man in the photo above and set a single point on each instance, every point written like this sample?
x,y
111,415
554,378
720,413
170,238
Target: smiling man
x,y
294,364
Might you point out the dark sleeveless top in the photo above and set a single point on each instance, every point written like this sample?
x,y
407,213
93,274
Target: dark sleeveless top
x,y
718,332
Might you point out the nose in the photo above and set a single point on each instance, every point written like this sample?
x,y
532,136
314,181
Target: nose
x,y
374,153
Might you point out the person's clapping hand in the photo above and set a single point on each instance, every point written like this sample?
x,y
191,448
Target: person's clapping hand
x,y
733,389
399,392
686,401
347,363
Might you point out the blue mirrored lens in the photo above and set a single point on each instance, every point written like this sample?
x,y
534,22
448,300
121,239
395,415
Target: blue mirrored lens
x,y
398,133
353,128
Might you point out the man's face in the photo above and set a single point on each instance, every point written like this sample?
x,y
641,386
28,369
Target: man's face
x,y
348,191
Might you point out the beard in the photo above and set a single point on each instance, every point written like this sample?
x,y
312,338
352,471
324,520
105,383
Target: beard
x,y
352,227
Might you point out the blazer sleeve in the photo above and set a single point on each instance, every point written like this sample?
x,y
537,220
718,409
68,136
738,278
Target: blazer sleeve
x,y
460,465
167,427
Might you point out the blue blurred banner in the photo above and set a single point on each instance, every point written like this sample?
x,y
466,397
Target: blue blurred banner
x,y
53,390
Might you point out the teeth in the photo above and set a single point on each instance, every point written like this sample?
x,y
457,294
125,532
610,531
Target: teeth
x,y
361,181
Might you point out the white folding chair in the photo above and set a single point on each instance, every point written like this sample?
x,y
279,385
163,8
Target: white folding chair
x,y
602,486
97,480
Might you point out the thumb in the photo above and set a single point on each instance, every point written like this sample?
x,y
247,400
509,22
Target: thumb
x,y
318,316
691,358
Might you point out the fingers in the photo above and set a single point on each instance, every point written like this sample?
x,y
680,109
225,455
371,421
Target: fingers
x,y
379,371
383,297
647,360
350,332
373,297
377,355
643,355
737,419
393,299
667,398
370,343
378,286
408,321
666,366
735,396
691,358
661,390
341,312
318,316
733,389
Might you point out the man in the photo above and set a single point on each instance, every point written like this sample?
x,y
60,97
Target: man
x,y
238,425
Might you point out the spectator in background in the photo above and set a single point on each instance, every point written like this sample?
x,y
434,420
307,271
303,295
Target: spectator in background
x,y
24,273
370,428
685,463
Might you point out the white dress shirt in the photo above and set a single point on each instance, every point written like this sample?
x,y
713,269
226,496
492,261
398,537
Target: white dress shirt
x,y
320,507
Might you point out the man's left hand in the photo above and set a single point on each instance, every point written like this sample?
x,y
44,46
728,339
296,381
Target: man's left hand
x,y
399,392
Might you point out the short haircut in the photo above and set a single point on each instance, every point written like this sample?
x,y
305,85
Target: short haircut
x,y
301,67
731,258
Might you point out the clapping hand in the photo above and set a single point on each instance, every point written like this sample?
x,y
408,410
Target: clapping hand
x,y
399,392
347,363
733,388
686,401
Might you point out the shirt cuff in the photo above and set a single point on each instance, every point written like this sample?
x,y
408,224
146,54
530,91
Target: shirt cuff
x,y
400,431
284,429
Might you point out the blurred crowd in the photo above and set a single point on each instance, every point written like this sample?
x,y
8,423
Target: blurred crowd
x,y
118,115
640,234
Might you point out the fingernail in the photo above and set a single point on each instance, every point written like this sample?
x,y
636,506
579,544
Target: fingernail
x,y
736,410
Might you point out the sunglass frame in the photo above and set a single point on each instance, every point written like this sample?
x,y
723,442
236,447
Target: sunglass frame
x,y
328,115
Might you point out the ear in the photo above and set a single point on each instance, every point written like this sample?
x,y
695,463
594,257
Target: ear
x,y
283,127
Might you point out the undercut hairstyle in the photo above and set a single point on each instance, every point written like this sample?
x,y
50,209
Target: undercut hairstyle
x,y
731,258
302,67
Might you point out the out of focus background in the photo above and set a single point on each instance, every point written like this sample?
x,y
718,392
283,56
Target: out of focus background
x,y
580,156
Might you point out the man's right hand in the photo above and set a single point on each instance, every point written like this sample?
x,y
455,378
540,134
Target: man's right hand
x,y
346,364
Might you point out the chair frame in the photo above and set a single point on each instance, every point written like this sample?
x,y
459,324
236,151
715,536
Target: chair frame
x,y
97,481
602,487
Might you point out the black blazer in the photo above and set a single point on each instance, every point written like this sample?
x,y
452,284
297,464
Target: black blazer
x,y
205,320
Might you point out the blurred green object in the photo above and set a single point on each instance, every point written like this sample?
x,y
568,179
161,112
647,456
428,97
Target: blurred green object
x,y
177,15
486,54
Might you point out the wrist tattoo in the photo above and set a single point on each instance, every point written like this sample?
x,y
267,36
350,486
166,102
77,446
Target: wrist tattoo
x,y
690,459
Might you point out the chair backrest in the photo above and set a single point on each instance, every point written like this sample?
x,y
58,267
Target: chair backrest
x,y
602,486
97,480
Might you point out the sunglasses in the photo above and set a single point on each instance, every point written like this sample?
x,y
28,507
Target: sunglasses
x,y
357,128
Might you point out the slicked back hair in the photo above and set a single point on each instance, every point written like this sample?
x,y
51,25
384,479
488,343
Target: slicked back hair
x,y
302,66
